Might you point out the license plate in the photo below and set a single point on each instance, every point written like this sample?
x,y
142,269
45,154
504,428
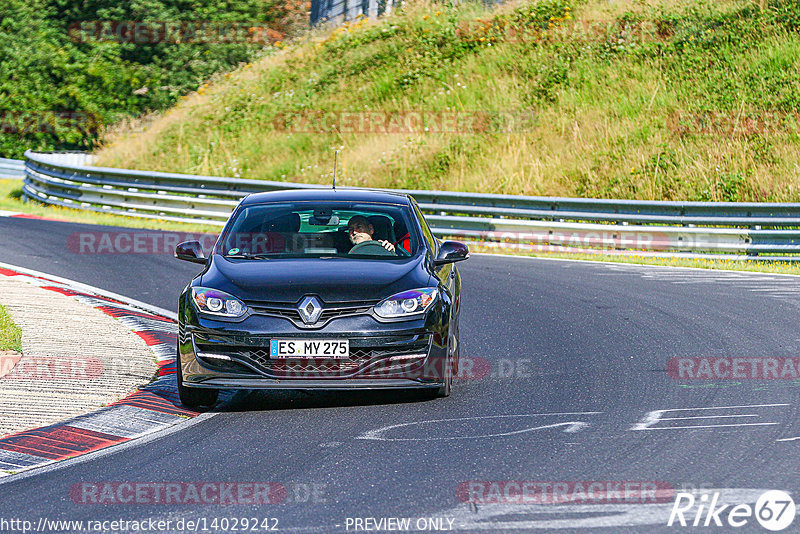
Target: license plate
x,y
335,349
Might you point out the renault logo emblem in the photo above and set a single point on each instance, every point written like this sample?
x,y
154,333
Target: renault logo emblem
x,y
310,309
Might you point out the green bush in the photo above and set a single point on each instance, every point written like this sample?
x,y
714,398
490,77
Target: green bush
x,y
59,87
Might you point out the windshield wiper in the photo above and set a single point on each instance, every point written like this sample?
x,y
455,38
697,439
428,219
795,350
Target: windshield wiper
x,y
247,256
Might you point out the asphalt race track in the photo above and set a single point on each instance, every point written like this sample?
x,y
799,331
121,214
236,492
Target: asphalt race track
x,y
569,385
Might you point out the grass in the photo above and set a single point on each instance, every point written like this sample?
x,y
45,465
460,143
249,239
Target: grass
x,y
10,334
672,100
11,199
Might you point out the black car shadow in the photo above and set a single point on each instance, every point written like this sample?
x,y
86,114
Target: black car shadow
x,y
292,399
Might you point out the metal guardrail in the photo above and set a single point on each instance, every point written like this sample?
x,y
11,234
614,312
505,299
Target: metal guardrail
x,y
549,223
12,168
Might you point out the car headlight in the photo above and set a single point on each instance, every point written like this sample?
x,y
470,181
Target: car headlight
x,y
216,302
407,303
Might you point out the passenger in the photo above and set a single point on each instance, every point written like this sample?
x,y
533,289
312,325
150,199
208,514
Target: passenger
x,y
360,231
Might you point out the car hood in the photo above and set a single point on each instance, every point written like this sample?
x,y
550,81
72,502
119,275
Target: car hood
x,y
332,279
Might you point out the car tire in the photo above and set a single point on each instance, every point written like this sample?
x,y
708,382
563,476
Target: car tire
x,y
193,397
457,351
451,364
447,386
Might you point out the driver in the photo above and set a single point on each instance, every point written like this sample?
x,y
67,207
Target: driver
x,y
360,230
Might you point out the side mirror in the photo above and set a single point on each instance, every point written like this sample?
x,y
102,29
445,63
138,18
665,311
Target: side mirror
x,y
451,252
191,251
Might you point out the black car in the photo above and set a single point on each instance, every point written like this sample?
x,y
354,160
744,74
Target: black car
x,y
320,289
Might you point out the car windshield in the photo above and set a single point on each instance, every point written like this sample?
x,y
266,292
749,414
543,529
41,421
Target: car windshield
x,y
320,229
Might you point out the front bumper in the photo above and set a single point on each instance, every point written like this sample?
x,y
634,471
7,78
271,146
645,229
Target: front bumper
x,y
325,385
403,355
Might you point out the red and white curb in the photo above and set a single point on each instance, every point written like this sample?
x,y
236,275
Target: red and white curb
x,y
21,215
152,408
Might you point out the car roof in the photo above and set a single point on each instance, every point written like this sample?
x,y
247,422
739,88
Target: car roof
x,y
328,194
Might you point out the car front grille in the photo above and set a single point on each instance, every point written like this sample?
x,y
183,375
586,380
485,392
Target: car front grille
x,y
384,355
329,311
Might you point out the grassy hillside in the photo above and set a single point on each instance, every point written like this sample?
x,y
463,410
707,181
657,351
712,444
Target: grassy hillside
x,y
668,99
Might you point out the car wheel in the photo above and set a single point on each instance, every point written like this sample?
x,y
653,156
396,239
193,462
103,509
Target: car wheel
x,y
447,385
193,397
457,351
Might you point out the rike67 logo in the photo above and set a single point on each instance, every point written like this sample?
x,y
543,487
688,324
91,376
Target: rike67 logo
x,y
774,510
